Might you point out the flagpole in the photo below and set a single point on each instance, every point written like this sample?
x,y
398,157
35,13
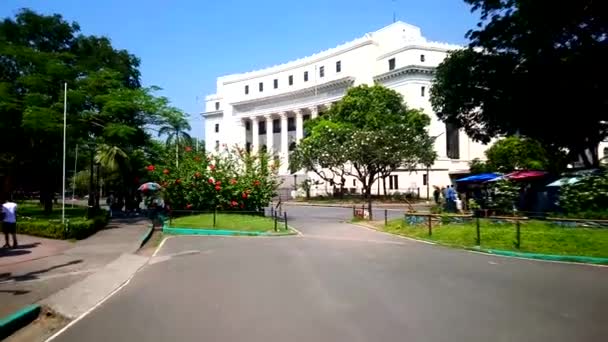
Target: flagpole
x,y
65,103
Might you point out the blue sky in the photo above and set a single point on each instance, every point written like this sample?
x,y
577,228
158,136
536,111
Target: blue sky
x,y
185,44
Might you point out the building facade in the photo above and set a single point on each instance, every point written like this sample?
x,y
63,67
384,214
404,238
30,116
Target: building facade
x,y
267,108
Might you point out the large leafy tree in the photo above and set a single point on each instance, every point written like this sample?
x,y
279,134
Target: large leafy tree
x,y
107,107
368,133
518,153
532,67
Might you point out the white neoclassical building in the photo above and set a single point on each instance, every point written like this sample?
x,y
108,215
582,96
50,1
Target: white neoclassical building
x,y
268,107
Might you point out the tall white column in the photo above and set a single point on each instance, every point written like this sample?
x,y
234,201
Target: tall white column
x,y
269,134
284,144
314,112
299,125
255,135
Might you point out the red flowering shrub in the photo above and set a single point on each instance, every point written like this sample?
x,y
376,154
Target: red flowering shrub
x,y
150,168
166,171
188,148
231,180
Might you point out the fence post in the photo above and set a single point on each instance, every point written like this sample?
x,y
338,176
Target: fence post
x,y
385,217
285,217
478,231
214,212
517,234
430,225
275,221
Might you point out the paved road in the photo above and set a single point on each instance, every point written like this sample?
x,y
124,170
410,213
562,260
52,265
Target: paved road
x,y
339,282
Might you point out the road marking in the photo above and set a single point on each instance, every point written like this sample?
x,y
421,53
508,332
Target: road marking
x,y
77,319
161,258
160,245
392,235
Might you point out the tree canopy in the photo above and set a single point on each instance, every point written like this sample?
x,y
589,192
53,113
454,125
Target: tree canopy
x,y
108,110
517,153
535,68
369,132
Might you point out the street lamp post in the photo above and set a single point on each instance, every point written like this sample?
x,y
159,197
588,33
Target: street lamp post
x,y
91,202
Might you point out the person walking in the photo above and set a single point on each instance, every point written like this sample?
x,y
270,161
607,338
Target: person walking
x,y
436,194
9,222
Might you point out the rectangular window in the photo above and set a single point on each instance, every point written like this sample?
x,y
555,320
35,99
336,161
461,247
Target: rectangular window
x,y
338,66
305,76
291,124
217,128
424,180
248,147
306,117
261,87
396,182
276,126
391,64
217,106
262,127
290,79
276,83
247,125
422,58
354,182
422,91
390,182
393,182
322,71
452,140
246,89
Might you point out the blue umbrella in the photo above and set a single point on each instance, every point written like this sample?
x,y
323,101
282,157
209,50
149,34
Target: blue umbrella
x,y
482,177
150,186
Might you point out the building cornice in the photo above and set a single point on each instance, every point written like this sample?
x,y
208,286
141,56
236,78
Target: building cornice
x,y
213,113
407,70
298,63
344,82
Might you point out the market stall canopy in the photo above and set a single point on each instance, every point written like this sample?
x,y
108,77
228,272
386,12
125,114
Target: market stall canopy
x,y
521,176
573,177
482,177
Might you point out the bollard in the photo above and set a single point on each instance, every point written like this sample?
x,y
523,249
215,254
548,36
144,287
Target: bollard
x,y
517,235
285,217
385,217
214,212
275,221
478,232
430,226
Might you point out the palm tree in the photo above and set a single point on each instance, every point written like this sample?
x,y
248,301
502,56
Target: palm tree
x,y
175,128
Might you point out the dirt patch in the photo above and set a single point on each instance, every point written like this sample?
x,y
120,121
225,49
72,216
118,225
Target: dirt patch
x,y
42,328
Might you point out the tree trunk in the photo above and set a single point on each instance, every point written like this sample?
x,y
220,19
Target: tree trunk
x,y
176,150
384,185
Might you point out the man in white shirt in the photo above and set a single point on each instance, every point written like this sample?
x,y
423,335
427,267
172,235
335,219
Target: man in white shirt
x,y
9,222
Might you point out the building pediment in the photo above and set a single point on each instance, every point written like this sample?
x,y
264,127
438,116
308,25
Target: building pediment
x,y
405,71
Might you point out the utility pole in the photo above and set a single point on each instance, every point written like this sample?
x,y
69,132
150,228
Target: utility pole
x,y
65,104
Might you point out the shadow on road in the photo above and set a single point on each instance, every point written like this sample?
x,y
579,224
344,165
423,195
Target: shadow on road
x,y
15,292
4,277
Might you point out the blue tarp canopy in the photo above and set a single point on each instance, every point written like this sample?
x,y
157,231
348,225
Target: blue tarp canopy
x,y
482,177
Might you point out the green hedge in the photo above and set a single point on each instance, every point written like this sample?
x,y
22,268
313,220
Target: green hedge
x,y
77,228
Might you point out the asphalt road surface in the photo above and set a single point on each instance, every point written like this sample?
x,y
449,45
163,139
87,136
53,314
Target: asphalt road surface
x,y
339,282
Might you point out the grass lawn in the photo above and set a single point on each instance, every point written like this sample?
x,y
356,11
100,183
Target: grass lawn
x,y
536,237
239,222
30,210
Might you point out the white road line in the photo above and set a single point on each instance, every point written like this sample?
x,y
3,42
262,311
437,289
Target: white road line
x,y
393,235
337,238
54,336
161,245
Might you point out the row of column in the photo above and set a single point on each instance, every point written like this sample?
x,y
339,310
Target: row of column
x,y
284,142
269,118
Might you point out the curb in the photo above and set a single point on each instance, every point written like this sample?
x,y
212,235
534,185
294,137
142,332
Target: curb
x,y
347,206
546,257
219,232
147,235
17,320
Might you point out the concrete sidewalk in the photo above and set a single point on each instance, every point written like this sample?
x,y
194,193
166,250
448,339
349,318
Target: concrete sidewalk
x,y
43,267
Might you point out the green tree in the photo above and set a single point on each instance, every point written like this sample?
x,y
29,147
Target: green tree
x,y
532,67
370,131
106,103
